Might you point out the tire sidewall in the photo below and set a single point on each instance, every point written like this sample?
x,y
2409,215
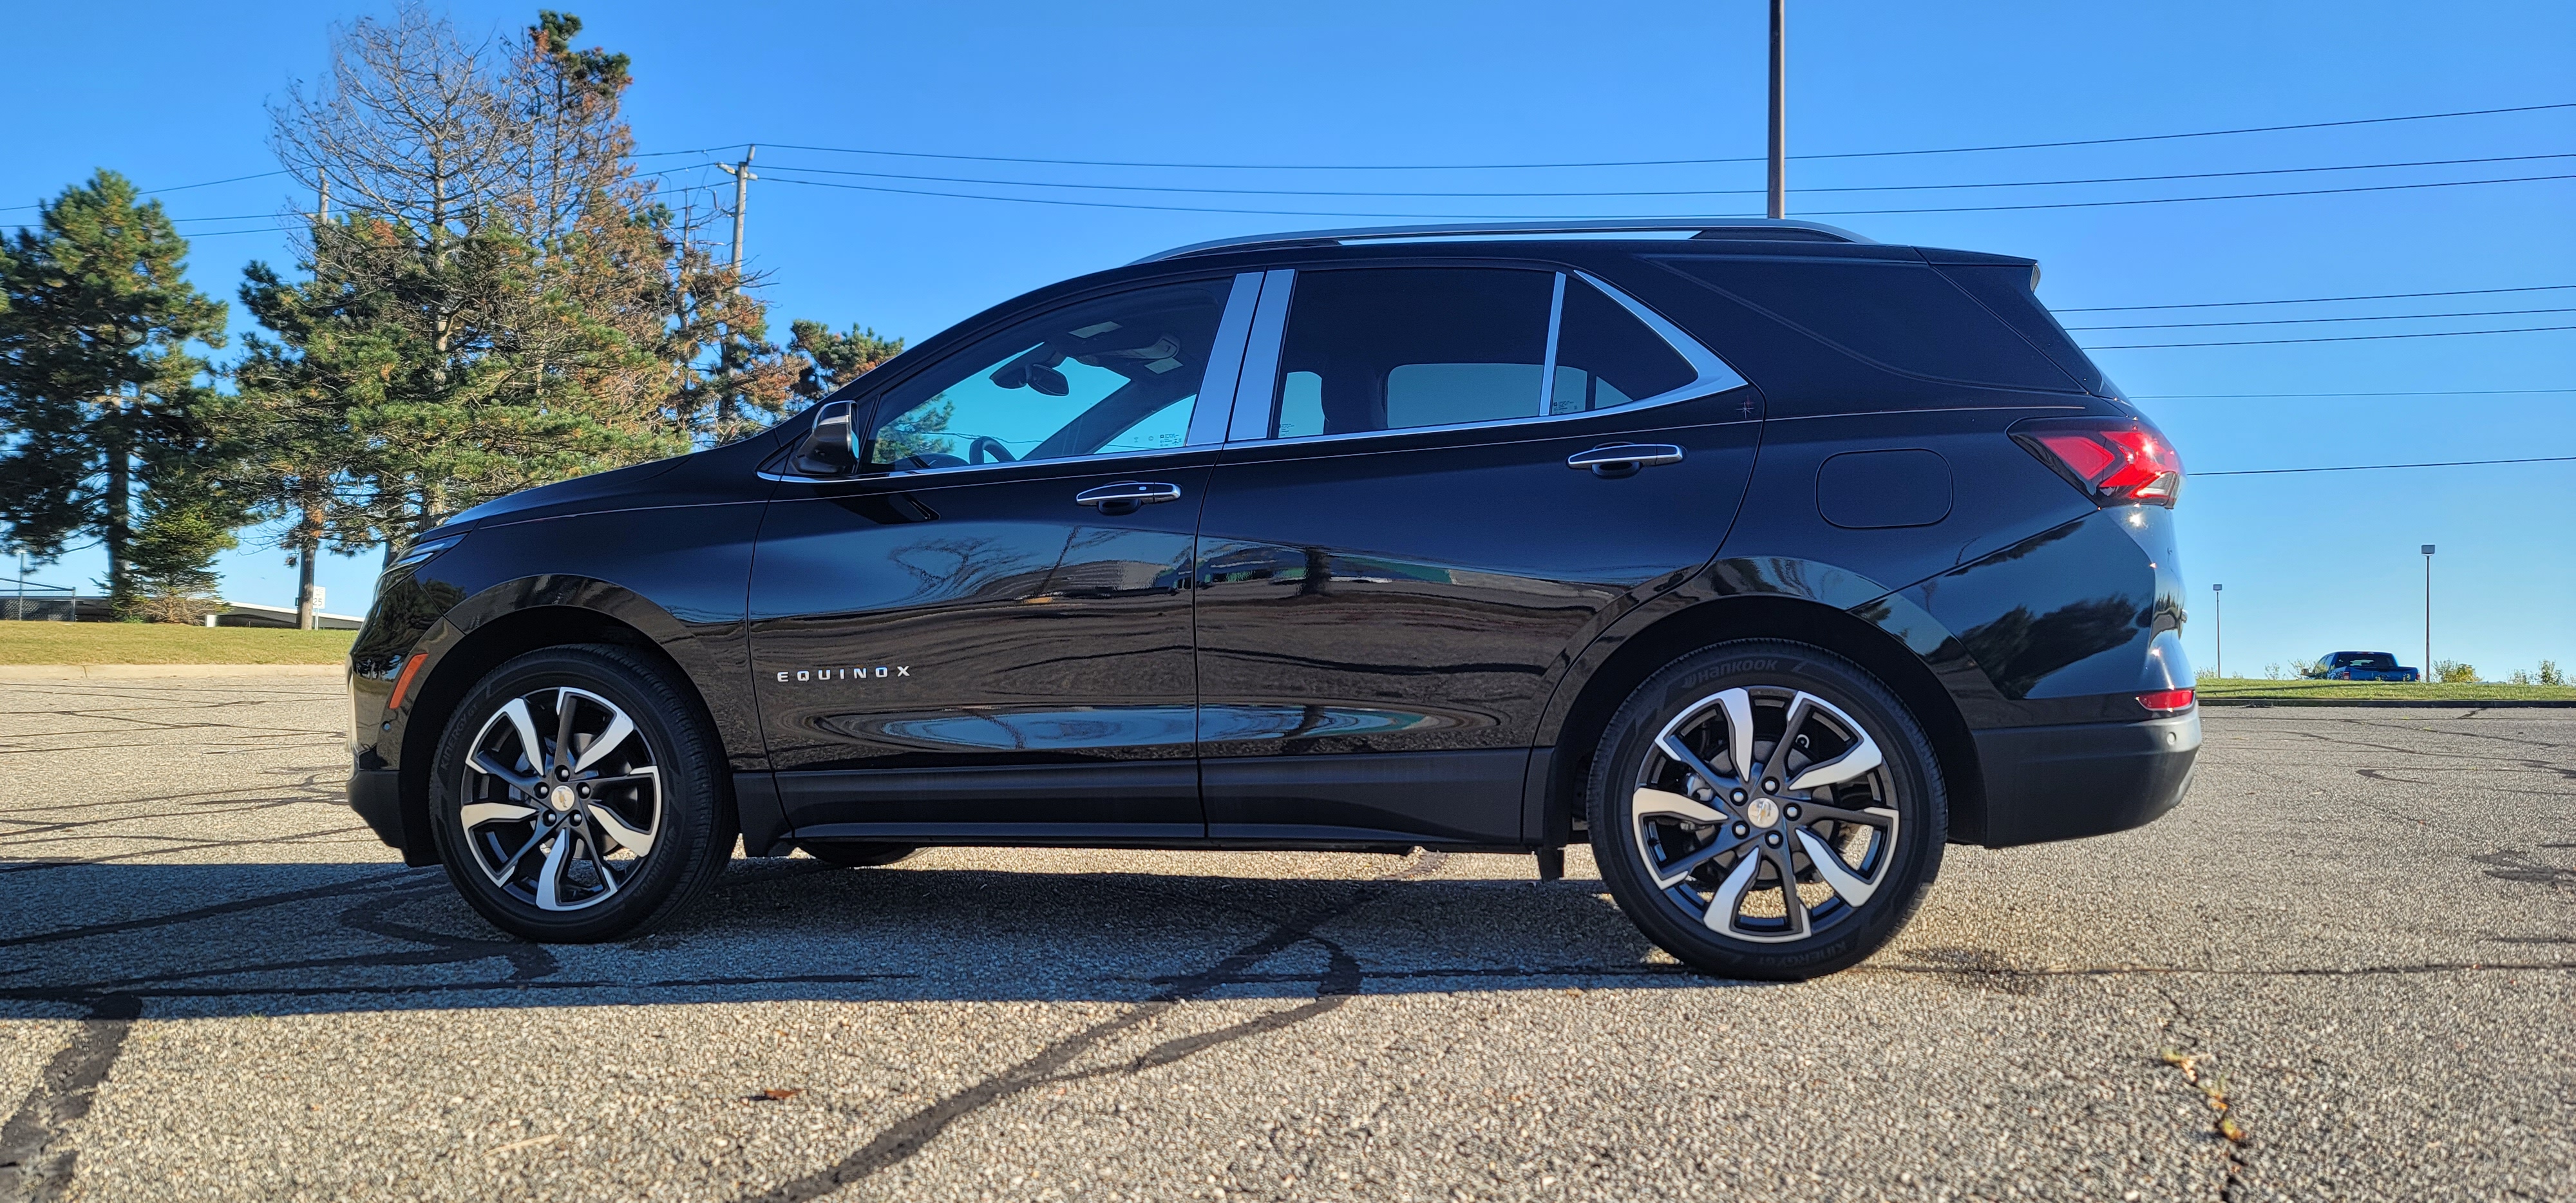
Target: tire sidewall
x,y
692,805
1914,772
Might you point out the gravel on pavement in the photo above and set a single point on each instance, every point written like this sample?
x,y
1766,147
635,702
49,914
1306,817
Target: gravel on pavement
x,y
2344,969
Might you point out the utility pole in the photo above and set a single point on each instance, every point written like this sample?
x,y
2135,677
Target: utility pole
x,y
742,178
725,356
1779,206
2218,603
308,600
2428,613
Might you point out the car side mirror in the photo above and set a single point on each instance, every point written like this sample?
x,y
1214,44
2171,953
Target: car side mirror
x,y
834,445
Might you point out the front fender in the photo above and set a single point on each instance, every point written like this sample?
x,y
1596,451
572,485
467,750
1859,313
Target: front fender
x,y
433,670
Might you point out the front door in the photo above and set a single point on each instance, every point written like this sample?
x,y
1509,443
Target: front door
x,y
1396,554
982,629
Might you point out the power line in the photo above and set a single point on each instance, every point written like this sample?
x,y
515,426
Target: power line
x,y
2122,179
2348,338
2384,296
158,191
2458,463
2302,321
1868,154
2168,200
2176,200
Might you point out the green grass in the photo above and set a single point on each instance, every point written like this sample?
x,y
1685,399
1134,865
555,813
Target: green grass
x,y
2310,691
165,643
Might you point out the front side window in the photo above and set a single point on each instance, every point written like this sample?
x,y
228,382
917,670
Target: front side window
x,y
1106,377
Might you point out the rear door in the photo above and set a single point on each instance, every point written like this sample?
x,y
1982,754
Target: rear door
x,y
1395,553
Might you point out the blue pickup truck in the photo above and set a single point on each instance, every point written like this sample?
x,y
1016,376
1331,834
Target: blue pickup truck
x,y
2364,666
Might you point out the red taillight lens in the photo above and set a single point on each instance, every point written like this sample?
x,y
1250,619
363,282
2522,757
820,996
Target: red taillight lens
x,y
2166,701
2115,461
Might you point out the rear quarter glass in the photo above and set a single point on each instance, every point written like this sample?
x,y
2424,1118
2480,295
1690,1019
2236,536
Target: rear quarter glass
x,y
1896,316
2007,290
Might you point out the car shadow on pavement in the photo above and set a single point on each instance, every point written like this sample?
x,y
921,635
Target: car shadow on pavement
x,y
231,939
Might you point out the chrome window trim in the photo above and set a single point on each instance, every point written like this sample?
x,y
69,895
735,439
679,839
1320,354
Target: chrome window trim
x,y
1547,362
1211,418
1705,363
1712,373
914,473
1259,384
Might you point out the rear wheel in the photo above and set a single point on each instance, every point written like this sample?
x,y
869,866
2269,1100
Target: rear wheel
x,y
1767,810
576,796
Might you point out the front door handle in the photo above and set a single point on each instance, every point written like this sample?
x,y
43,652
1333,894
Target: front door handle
x,y
1613,460
1125,496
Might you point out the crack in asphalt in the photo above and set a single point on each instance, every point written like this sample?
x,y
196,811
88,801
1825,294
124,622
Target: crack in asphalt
x,y
2187,1056
36,1154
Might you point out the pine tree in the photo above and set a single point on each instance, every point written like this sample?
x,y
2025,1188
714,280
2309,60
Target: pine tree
x,y
99,393
833,360
496,296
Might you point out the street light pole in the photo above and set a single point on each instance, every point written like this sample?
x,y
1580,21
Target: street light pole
x,y
2218,603
2428,613
1779,202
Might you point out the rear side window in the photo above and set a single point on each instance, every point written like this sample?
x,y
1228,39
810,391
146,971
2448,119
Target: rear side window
x,y
1393,348
1903,316
1606,358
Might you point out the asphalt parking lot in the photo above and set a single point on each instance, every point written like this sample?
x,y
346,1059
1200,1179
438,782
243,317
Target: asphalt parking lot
x,y
2358,934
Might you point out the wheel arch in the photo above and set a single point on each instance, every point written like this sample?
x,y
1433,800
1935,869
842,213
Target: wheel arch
x,y
508,620
1574,725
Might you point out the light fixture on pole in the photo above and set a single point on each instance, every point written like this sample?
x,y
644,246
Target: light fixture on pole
x,y
2428,612
2218,604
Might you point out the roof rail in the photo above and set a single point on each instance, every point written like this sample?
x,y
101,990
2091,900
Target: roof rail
x,y
1700,227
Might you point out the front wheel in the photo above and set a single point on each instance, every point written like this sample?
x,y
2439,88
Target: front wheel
x,y
576,795
1766,809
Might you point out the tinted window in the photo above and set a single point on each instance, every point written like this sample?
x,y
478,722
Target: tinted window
x,y
1901,315
2007,291
1114,375
1605,357
1391,348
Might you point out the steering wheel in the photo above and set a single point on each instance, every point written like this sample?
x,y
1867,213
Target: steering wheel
x,y
986,445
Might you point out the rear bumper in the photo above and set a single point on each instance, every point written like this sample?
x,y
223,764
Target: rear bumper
x,y
2063,783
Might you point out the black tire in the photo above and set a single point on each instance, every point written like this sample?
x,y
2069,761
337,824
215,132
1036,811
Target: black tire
x,y
1899,812
852,854
601,888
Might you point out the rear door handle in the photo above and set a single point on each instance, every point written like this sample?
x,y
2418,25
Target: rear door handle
x,y
1624,459
1125,496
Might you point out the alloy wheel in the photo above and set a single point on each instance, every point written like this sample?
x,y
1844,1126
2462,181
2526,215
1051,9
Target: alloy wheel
x,y
561,797
1765,813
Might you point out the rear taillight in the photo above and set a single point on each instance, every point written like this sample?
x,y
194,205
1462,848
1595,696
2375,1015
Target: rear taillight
x,y
2114,461
2166,701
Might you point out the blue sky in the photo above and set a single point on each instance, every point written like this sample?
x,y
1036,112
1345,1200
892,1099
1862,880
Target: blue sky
x,y
2311,562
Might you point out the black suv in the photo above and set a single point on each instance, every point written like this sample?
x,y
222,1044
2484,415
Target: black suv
x,y
1764,557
